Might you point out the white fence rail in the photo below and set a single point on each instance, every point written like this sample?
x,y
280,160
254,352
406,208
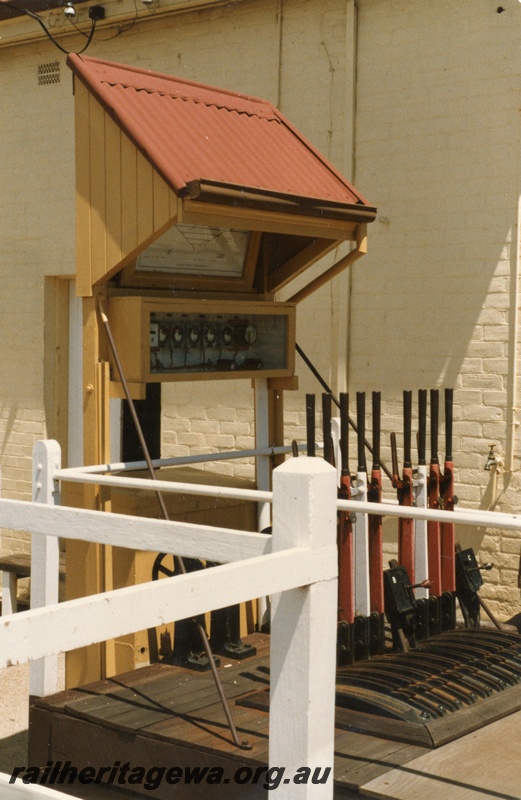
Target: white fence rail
x,y
297,566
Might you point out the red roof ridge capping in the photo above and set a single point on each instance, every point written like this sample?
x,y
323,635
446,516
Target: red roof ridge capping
x,y
194,134
155,82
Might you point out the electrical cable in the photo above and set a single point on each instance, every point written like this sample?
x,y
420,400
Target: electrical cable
x,y
121,28
82,33
40,22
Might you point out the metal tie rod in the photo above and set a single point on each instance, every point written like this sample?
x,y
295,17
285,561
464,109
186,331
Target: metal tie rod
x,y
139,430
328,389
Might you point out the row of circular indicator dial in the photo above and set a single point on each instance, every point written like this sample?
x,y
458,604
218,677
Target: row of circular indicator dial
x,y
209,334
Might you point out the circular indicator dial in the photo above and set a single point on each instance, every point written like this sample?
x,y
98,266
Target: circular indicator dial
x,y
163,334
227,335
194,335
210,335
250,334
178,334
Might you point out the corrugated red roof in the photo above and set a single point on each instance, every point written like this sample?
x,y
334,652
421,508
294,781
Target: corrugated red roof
x,y
191,132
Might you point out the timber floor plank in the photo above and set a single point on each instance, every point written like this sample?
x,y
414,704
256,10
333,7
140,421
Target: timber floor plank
x,y
484,764
141,706
359,757
213,719
210,730
105,686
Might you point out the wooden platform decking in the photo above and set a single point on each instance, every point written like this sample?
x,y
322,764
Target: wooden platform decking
x,y
164,716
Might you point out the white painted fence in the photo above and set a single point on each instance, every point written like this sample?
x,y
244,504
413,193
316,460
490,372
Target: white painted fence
x,y
296,565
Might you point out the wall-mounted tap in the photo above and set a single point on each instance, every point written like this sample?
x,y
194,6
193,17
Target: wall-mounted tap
x,y
491,461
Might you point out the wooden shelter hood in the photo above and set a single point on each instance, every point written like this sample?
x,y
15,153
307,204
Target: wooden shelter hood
x,y
153,150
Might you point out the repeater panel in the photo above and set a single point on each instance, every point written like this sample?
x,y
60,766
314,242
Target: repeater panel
x,y
172,340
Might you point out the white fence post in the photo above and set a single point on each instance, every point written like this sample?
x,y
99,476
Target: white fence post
x,y
45,560
421,565
263,475
303,636
361,548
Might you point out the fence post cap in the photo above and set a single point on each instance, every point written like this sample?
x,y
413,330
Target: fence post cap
x,y
305,465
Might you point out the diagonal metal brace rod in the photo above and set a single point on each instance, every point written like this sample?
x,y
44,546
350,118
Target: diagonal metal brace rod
x,y
327,388
139,430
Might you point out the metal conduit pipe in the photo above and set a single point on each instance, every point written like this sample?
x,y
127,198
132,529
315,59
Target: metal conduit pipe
x,y
514,305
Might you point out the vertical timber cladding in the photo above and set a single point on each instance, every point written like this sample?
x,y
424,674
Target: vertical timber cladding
x,y
121,201
110,167
131,194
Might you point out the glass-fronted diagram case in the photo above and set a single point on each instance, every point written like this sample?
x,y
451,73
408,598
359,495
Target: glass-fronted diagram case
x,y
168,340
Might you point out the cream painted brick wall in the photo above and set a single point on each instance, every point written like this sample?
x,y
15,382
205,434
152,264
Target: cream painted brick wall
x,y
438,141
37,238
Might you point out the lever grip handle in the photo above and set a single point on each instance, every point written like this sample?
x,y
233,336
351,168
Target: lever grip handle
x,y
422,426
394,457
486,567
310,424
326,427
407,429
376,398
360,424
435,405
344,433
449,399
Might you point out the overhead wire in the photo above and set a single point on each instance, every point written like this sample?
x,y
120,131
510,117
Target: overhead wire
x,y
40,22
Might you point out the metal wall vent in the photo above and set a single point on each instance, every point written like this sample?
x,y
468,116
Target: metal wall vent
x,y
48,73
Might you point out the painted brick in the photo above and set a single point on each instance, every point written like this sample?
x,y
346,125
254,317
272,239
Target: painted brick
x,y
469,496
235,428
220,441
511,545
482,381
493,398
245,415
191,439
204,426
223,414
244,442
491,543
494,431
